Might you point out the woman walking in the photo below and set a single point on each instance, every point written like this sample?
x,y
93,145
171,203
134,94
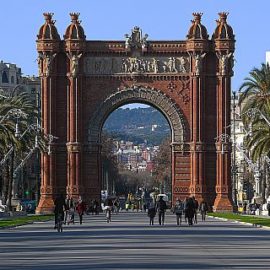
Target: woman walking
x,y
81,208
152,213
178,210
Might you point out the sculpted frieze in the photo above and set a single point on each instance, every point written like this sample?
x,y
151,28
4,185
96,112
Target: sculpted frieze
x,y
131,65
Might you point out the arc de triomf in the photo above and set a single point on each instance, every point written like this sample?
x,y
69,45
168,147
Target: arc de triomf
x,y
189,81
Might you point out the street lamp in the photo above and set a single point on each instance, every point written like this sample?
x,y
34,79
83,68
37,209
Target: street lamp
x,y
50,138
225,138
13,113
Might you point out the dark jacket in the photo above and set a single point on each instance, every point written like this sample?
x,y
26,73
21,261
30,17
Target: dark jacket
x,y
161,205
59,204
151,212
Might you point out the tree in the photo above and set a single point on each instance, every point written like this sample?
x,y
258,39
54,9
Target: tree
x,y
256,94
109,160
163,163
16,146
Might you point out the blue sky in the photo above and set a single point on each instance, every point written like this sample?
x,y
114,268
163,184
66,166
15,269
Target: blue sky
x,y
107,19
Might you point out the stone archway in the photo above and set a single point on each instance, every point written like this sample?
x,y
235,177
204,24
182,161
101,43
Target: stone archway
x,y
176,119
189,81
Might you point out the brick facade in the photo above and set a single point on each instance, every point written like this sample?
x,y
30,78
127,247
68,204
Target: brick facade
x,y
188,81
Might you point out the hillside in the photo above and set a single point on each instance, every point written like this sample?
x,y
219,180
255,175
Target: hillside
x,y
138,125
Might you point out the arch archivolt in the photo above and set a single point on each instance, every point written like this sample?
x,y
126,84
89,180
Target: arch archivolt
x,y
151,96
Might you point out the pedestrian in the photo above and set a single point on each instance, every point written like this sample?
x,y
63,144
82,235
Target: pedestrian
x,y
245,208
81,207
108,213
152,213
268,208
59,208
68,205
203,209
196,207
178,210
185,208
190,211
161,209
97,208
71,214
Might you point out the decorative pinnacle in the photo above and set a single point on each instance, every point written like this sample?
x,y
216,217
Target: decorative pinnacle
x,y
48,17
197,16
223,16
74,17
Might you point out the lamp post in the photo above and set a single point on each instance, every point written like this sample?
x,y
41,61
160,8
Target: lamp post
x,y
50,138
234,167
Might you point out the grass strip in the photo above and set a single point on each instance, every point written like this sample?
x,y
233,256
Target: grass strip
x,y
256,220
17,221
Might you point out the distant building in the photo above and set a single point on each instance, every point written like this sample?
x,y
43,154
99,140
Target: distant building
x,y
11,78
10,75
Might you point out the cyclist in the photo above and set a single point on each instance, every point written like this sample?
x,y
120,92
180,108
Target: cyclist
x,y
59,208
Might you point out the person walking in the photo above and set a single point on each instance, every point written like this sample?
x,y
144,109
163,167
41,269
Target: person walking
x,y
108,213
69,204
190,211
178,210
185,208
196,207
203,209
81,208
151,213
161,209
268,208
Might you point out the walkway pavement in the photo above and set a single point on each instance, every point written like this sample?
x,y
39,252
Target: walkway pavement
x,y
130,243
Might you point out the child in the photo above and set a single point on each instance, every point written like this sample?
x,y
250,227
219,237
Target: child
x,y
108,213
152,213
71,215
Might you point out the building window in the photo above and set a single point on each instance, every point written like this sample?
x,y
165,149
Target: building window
x,y
4,77
12,79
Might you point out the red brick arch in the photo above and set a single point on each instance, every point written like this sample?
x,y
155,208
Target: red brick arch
x,y
188,81
135,94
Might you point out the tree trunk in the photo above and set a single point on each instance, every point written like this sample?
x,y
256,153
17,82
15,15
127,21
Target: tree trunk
x,y
10,181
6,182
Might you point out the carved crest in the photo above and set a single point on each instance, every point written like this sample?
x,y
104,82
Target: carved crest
x,y
136,40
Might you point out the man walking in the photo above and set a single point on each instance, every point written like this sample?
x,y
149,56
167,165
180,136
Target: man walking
x,y
196,207
161,209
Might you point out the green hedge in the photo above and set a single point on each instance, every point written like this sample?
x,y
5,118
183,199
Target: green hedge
x,y
256,220
17,221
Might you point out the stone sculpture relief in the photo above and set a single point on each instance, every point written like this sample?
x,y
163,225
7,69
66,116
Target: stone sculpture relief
x,y
115,65
136,40
74,63
45,63
198,62
224,60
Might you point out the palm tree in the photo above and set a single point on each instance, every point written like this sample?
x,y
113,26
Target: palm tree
x,y
256,95
256,89
17,146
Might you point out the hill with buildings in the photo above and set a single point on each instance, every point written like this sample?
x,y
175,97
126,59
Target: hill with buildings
x,y
138,125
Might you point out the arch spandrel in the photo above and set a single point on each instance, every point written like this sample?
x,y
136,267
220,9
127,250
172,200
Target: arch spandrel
x,y
151,96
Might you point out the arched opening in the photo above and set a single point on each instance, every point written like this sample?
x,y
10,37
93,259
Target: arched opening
x,y
4,77
176,122
136,156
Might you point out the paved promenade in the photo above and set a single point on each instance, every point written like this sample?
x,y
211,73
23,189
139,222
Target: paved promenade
x,y
130,243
